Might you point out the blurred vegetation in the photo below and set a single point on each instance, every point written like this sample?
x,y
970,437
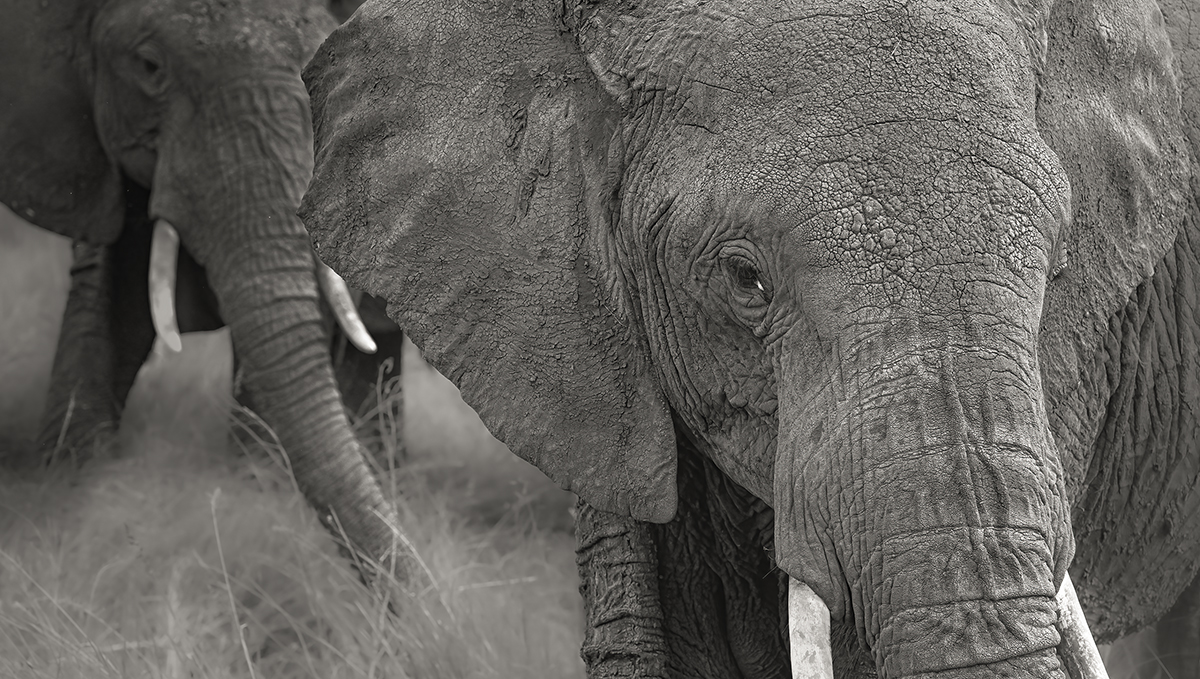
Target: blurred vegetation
x,y
182,553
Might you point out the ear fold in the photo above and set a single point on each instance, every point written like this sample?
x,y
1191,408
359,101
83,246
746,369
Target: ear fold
x,y
1110,108
55,174
460,154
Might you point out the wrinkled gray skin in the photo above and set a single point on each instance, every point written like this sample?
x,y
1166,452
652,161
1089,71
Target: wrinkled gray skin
x,y
897,298
120,112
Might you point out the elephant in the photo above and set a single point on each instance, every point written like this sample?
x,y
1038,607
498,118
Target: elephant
x,y
866,332
172,141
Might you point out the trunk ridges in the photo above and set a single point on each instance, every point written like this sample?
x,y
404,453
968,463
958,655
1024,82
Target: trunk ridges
x,y
287,373
958,596
949,521
1040,665
233,173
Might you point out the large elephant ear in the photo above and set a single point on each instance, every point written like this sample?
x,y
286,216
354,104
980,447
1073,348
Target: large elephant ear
x,y
55,172
461,149
1109,106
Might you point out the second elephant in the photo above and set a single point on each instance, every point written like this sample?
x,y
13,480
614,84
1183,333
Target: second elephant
x,y
122,115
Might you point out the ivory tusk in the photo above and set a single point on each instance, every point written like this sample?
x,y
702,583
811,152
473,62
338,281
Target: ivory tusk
x,y
164,252
808,630
344,308
1077,648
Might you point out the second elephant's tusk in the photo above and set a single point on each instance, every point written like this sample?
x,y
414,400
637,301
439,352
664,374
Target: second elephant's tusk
x,y
164,253
344,308
1077,648
808,631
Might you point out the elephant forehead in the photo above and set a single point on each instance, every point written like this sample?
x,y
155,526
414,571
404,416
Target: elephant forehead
x,y
826,116
275,32
895,56
877,218
914,192
910,212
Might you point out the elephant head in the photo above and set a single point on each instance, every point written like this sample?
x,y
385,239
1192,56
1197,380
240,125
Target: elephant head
x,y
201,102
829,243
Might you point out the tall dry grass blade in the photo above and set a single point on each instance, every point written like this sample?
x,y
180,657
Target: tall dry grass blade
x,y
269,447
228,589
174,669
62,431
412,549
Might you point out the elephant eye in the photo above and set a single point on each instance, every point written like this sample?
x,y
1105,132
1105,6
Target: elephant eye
x,y
150,68
747,281
148,65
746,276
148,58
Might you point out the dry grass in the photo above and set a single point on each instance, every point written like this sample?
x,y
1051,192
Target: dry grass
x,y
176,558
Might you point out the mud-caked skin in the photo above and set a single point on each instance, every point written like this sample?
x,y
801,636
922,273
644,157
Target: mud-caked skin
x,y
118,113
918,278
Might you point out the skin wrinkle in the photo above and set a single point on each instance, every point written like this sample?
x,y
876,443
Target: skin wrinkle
x,y
734,464
670,341
1114,484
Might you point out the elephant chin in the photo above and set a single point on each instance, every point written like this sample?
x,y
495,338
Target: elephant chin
x,y
812,655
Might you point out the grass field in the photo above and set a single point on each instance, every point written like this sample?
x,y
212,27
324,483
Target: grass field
x,y
178,556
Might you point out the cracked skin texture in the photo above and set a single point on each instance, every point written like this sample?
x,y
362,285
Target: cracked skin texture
x,y
898,299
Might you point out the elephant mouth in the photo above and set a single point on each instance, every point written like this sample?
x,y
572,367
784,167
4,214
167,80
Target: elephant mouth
x,y
812,655
164,250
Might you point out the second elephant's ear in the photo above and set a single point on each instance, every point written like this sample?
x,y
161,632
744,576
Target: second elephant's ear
x,y
55,172
461,152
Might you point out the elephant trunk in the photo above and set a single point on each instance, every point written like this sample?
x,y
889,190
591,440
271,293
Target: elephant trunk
x,y
229,177
950,533
269,299
811,644
974,600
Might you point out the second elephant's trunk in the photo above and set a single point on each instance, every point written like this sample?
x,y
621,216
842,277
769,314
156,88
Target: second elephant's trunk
x,y
271,306
229,177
